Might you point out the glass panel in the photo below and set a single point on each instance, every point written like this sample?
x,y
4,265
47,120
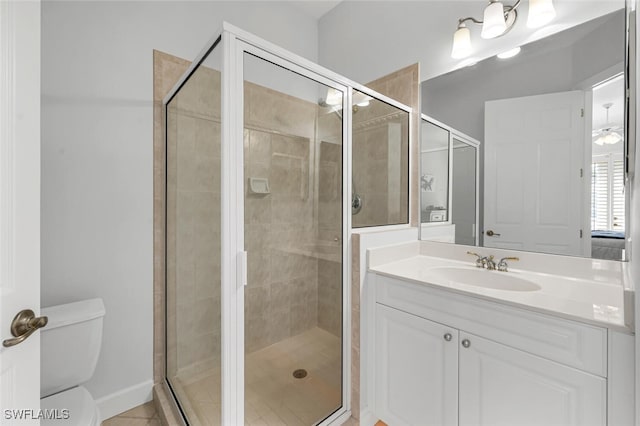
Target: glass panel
x,y
293,237
380,163
434,181
193,243
463,197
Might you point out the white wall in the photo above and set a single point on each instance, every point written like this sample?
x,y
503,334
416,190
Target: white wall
x,y
97,157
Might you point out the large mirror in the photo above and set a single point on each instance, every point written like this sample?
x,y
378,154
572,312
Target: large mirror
x,y
540,143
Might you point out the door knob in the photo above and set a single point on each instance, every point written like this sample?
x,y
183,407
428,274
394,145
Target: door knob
x,y
490,233
24,325
466,343
448,337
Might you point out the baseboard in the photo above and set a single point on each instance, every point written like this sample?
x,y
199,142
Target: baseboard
x,y
125,399
367,418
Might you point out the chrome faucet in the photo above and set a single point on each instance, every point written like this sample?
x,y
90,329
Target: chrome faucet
x,y
484,261
491,265
502,265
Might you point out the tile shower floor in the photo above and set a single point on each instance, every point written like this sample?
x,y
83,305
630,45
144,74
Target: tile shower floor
x,y
272,395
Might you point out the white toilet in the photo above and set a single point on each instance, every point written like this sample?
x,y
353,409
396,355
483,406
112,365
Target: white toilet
x,y
69,348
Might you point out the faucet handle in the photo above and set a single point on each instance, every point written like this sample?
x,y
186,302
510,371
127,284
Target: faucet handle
x,y
502,265
479,261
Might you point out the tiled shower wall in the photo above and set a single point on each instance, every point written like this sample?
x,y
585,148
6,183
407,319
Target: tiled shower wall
x,y
193,209
404,86
380,164
282,298
281,295
285,293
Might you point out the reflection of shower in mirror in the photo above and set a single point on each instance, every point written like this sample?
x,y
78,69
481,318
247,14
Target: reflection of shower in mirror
x,y
427,183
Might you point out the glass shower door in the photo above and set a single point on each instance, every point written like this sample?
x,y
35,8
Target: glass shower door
x,y
293,232
193,243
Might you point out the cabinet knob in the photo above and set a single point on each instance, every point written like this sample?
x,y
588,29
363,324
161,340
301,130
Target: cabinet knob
x,y
448,337
466,343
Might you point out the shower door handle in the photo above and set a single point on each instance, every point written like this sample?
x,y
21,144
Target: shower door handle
x,y
241,268
24,325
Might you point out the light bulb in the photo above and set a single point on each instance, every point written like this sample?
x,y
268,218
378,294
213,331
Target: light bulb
x,y
541,12
494,23
461,43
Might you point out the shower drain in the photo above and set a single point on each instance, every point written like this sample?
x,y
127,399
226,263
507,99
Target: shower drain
x,y
300,373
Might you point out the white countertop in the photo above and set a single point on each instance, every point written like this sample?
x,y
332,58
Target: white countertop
x,y
585,298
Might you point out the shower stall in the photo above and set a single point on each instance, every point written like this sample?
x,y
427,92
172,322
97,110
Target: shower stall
x,y
258,217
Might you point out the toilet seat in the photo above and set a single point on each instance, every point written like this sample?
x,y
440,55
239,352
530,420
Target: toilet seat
x,y
83,410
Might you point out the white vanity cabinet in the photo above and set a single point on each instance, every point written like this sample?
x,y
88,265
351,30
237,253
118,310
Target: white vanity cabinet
x,y
442,358
499,385
416,369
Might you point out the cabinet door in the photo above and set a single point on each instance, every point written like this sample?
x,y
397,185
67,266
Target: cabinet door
x,y
501,386
416,376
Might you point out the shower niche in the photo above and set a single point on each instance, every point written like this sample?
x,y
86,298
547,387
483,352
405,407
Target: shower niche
x,y
258,218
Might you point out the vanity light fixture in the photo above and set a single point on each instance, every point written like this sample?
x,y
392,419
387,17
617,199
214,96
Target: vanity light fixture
x,y
494,20
461,42
498,19
541,12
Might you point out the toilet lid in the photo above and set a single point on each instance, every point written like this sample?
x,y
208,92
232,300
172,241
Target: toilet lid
x,y
80,407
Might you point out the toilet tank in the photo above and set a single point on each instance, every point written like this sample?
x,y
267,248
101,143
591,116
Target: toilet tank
x,y
70,344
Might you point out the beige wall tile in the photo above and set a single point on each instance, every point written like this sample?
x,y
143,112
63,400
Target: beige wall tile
x,y
404,86
330,296
167,70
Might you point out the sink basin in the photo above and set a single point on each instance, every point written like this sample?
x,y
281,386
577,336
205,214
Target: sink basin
x,y
482,278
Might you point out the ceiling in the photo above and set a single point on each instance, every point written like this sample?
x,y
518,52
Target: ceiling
x,y
313,8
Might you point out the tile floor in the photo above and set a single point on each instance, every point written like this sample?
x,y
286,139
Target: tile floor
x,y
273,395
143,415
